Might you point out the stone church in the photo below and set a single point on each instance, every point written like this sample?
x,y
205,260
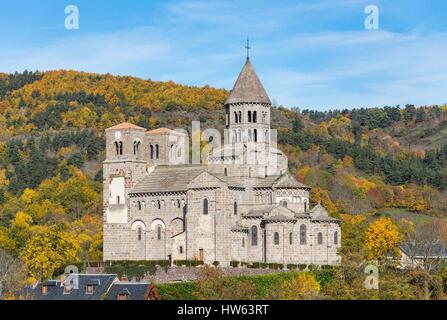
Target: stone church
x,y
241,204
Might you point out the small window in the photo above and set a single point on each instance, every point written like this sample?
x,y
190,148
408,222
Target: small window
x,y
44,290
276,238
243,242
235,208
180,249
303,234
157,152
254,235
121,148
249,116
140,231
89,289
336,238
284,203
290,238
320,238
117,148
139,205
178,204
205,206
123,296
118,200
158,232
152,151
226,172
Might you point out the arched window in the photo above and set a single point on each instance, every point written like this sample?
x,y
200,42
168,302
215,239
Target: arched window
x,y
117,148
235,117
305,205
157,152
139,233
255,116
136,147
255,135
121,148
243,242
266,134
159,232
249,135
336,238
139,205
240,116
118,200
152,151
235,209
249,116
303,234
158,204
178,204
290,238
254,235
284,203
205,206
266,172
276,238
320,238
226,172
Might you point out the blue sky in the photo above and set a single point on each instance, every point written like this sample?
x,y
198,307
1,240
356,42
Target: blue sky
x,y
309,54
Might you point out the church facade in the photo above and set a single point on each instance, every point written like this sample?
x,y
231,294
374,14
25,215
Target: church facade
x,y
240,204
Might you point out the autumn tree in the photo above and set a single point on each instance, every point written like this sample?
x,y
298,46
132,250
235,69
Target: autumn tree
x,y
302,286
382,237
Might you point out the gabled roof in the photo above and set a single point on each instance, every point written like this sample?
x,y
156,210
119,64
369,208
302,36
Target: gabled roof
x,y
288,181
248,87
279,218
319,213
126,126
168,178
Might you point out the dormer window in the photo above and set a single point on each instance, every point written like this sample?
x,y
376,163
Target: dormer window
x,y
44,290
123,296
89,289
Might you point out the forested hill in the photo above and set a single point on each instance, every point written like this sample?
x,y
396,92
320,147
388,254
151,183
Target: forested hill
x,y
370,161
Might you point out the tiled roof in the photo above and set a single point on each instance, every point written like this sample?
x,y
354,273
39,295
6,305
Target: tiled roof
x,y
168,178
248,87
126,125
279,218
134,291
161,131
55,290
239,228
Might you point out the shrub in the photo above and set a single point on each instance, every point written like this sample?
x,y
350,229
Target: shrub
x,y
234,264
188,263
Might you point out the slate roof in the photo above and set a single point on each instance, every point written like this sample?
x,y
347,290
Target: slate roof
x,y
424,250
55,289
134,291
162,131
284,181
248,87
319,213
168,178
126,125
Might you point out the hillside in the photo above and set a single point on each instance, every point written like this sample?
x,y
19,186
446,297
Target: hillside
x,y
364,162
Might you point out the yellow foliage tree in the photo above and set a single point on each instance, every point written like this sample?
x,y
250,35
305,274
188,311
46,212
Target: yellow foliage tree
x,y
382,236
303,286
49,250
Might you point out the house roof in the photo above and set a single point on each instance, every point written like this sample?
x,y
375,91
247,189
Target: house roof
x,y
126,126
424,250
134,291
239,228
168,178
248,87
284,181
55,288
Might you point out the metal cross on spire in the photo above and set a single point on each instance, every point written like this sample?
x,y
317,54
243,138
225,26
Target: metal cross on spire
x,y
248,48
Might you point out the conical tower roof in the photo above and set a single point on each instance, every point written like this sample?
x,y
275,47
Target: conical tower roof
x,y
248,87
